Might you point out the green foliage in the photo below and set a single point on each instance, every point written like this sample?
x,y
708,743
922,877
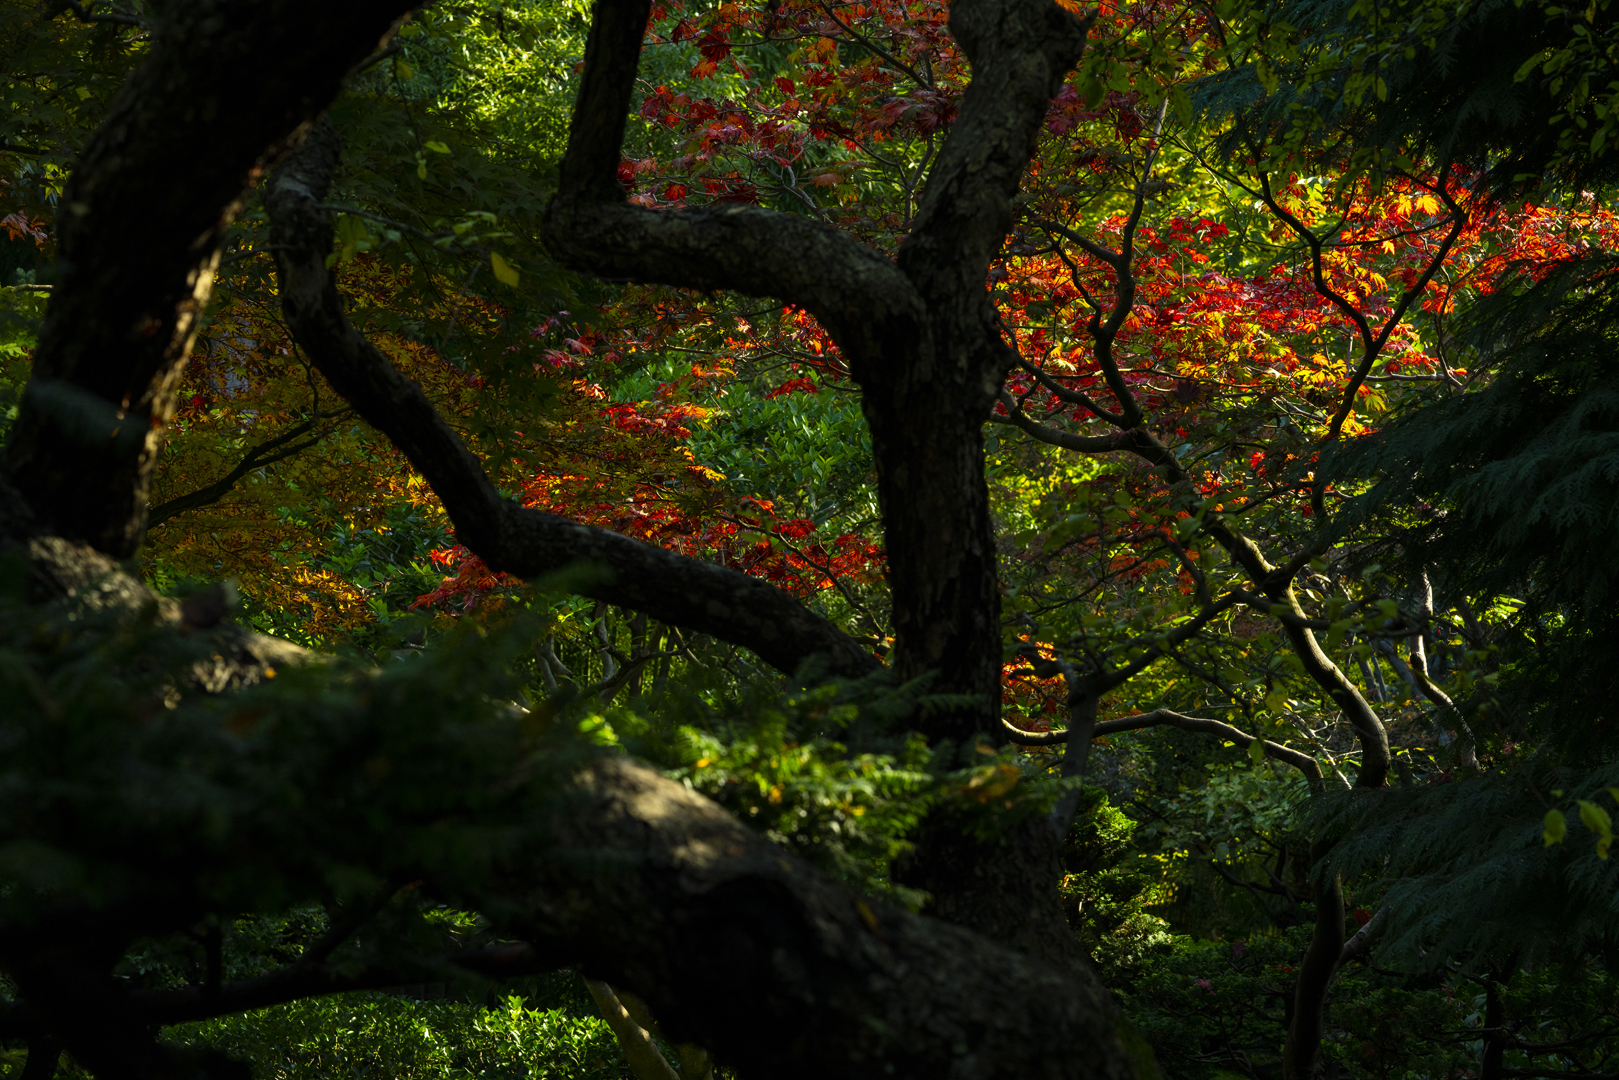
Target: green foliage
x,y
1236,825
1378,86
20,311
829,771
1390,1031
362,1036
1530,458
809,453
1513,489
1216,1006
322,783
1216,1009
1463,873
1107,890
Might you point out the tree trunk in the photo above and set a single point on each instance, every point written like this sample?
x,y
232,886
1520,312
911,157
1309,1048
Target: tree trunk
x,y
225,80
780,970
1492,1059
1301,1055
920,334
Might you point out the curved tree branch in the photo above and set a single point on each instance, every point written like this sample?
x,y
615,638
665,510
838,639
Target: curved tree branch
x,y
858,295
674,589
1083,444
1168,718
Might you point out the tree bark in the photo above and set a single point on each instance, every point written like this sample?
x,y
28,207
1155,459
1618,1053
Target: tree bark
x,y
1301,1054
225,80
921,335
780,970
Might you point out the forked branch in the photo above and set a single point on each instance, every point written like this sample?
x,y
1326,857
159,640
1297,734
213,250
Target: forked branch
x,y
858,295
283,446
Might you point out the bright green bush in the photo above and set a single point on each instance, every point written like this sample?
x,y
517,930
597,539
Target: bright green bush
x,y
382,1037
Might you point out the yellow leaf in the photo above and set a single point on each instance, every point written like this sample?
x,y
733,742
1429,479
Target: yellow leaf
x,y
505,272
1595,818
993,781
1556,827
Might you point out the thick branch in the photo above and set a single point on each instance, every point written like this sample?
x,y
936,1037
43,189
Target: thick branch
x,y
160,1008
782,971
1020,52
674,589
1316,969
1429,688
1082,444
164,1007
645,1059
1167,718
138,237
1303,762
857,294
1360,942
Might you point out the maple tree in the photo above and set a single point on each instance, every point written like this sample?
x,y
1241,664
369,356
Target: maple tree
x,y
1176,347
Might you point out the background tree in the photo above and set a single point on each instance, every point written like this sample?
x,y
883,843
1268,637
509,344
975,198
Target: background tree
x,y
1169,301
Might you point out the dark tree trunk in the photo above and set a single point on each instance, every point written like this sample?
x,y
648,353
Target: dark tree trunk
x,y
1301,1055
44,1053
226,83
1005,888
921,335
1492,1061
733,943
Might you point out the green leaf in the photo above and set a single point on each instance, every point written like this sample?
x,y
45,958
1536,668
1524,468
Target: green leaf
x,y
436,146
1181,104
505,272
1596,819
1335,632
1256,751
1556,827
